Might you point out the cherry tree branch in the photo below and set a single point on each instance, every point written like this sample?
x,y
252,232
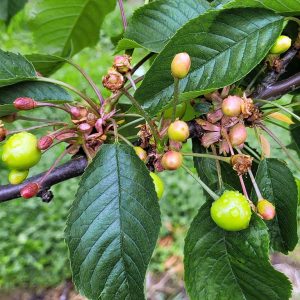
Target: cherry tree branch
x,y
74,168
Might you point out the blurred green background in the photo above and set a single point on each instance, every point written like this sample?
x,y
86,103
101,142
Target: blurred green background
x,y
32,249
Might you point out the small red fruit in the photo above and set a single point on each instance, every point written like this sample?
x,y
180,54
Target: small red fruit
x,y
24,103
238,134
181,65
178,131
232,106
172,160
266,209
30,190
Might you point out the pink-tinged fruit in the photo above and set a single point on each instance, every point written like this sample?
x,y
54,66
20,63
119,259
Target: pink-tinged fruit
x,y
24,103
178,131
181,65
238,134
232,106
172,160
266,209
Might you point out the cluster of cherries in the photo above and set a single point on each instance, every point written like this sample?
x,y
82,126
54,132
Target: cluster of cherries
x,y
223,127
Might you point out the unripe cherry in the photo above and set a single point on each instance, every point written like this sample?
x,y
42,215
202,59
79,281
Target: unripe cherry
x,y
17,176
178,131
232,106
141,153
25,103
238,134
181,65
172,160
45,142
30,190
266,209
282,44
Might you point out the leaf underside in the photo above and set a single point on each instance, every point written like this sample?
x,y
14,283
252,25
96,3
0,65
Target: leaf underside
x,y
113,226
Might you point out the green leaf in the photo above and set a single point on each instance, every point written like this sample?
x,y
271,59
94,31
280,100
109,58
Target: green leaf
x,y
113,226
277,184
14,68
40,91
61,27
46,64
279,6
8,8
230,265
224,47
152,25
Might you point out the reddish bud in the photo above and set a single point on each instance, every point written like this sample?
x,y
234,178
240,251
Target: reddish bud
x,y
85,128
45,142
75,112
172,160
24,103
266,209
113,80
30,190
238,134
181,65
122,63
232,106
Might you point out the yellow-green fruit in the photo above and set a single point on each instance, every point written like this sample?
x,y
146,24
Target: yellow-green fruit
x,y
282,44
17,177
178,131
158,184
231,211
180,111
181,65
20,151
141,153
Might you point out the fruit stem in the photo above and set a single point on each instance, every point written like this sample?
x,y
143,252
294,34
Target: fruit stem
x,y
37,127
205,155
218,166
176,94
277,140
124,20
53,166
129,77
293,19
252,152
125,140
73,89
89,80
256,188
131,123
203,185
145,115
127,115
115,126
281,107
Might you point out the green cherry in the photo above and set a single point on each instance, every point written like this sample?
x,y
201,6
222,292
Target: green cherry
x,y
17,177
282,44
231,211
20,152
178,131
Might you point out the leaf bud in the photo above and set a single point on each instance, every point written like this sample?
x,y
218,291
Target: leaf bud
x,y
30,190
25,103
